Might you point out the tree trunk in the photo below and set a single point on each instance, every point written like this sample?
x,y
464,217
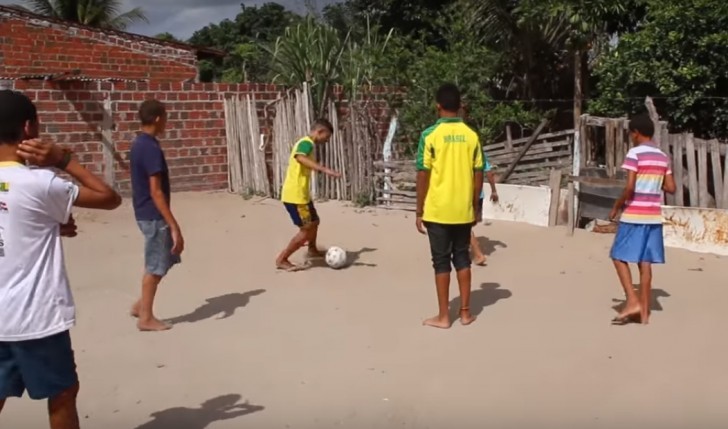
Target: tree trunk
x,y
578,87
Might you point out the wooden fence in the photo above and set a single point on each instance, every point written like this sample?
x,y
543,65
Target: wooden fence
x,y
529,165
699,166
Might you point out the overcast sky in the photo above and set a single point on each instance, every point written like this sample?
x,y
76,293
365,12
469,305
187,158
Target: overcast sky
x,y
183,17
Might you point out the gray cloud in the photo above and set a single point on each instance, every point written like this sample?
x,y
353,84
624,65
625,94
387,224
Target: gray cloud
x,y
184,17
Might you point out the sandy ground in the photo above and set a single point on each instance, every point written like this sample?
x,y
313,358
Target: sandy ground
x,y
253,348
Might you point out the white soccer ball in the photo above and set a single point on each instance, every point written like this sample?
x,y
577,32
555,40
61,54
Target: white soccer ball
x,y
336,257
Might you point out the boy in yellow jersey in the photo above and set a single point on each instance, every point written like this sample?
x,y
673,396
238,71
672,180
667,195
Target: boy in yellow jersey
x,y
296,194
449,182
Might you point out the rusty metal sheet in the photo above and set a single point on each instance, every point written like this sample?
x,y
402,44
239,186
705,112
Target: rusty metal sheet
x,y
696,229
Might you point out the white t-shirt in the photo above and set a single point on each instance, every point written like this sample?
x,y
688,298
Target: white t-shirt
x,y
35,298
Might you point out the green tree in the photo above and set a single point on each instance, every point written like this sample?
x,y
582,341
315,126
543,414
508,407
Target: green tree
x,y
678,56
167,37
243,39
95,13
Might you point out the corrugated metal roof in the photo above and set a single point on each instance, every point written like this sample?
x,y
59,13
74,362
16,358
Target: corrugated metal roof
x,y
67,77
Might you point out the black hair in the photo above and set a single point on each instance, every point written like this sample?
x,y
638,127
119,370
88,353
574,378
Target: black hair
x,y
448,97
642,124
322,123
16,110
150,110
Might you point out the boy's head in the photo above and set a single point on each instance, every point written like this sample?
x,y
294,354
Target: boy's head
x,y
321,131
641,129
18,118
153,116
448,99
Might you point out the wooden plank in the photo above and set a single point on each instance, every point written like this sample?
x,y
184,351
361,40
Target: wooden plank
x,y
539,147
597,181
571,222
667,148
609,148
692,171
533,159
525,148
519,142
555,185
619,152
509,139
655,119
717,174
703,196
676,141
412,194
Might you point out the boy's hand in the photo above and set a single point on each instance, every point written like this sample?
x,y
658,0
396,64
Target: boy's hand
x,y
178,242
420,225
494,197
69,229
40,153
333,173
613,214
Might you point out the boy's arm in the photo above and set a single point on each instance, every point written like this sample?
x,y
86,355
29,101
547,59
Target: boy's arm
x,y
424,164
160,202
627,194
313,165
92,193
668,185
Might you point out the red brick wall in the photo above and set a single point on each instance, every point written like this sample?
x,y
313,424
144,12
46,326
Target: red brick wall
x,y
71,113
35,46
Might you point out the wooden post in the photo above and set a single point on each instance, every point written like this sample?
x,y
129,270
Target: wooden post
x,y
107,128
677,168
509,138
555,185
717,174
655,119
523,151
578,87
571,221
692,171
703,196
609,148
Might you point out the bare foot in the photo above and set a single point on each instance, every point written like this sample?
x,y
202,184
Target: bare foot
x,y
466,318
630,314
480,260
288,266
315,253
134,312
153,325
645,316
438,322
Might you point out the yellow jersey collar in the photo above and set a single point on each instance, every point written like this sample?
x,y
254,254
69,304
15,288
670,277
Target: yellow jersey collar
x,y
448,120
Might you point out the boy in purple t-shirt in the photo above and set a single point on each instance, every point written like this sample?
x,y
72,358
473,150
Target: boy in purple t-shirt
x,y
639,236
163,242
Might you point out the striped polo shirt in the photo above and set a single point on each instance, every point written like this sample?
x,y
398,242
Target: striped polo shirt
x,y
651,165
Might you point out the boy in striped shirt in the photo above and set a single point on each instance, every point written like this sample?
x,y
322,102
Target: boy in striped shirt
x,y
639,236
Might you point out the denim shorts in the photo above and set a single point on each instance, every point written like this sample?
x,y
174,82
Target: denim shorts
x,y
44,368
636,243
158,257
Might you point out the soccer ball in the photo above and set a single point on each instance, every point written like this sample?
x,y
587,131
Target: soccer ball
x,y
336,257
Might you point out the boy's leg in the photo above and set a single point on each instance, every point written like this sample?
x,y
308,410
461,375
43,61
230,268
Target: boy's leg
x,y
314,221
627,246
298,241
645,291
478,256
158,260
461,260
11,381
48,369
441,249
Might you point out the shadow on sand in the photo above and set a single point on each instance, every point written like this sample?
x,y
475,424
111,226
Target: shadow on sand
x,y
224,407
488,294
353,260
489,246
224,305
654,300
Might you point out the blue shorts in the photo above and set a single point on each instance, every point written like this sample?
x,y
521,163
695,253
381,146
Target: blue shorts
x,y
158,257
635,243
44,367
302,214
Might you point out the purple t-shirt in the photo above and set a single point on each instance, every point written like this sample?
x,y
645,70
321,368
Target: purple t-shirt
x,y
147,159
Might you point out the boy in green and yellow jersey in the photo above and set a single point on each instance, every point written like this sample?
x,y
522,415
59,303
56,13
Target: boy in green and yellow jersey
x,y
296,193
449,182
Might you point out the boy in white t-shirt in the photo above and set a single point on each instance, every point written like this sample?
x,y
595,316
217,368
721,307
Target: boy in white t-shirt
x,y
36,305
